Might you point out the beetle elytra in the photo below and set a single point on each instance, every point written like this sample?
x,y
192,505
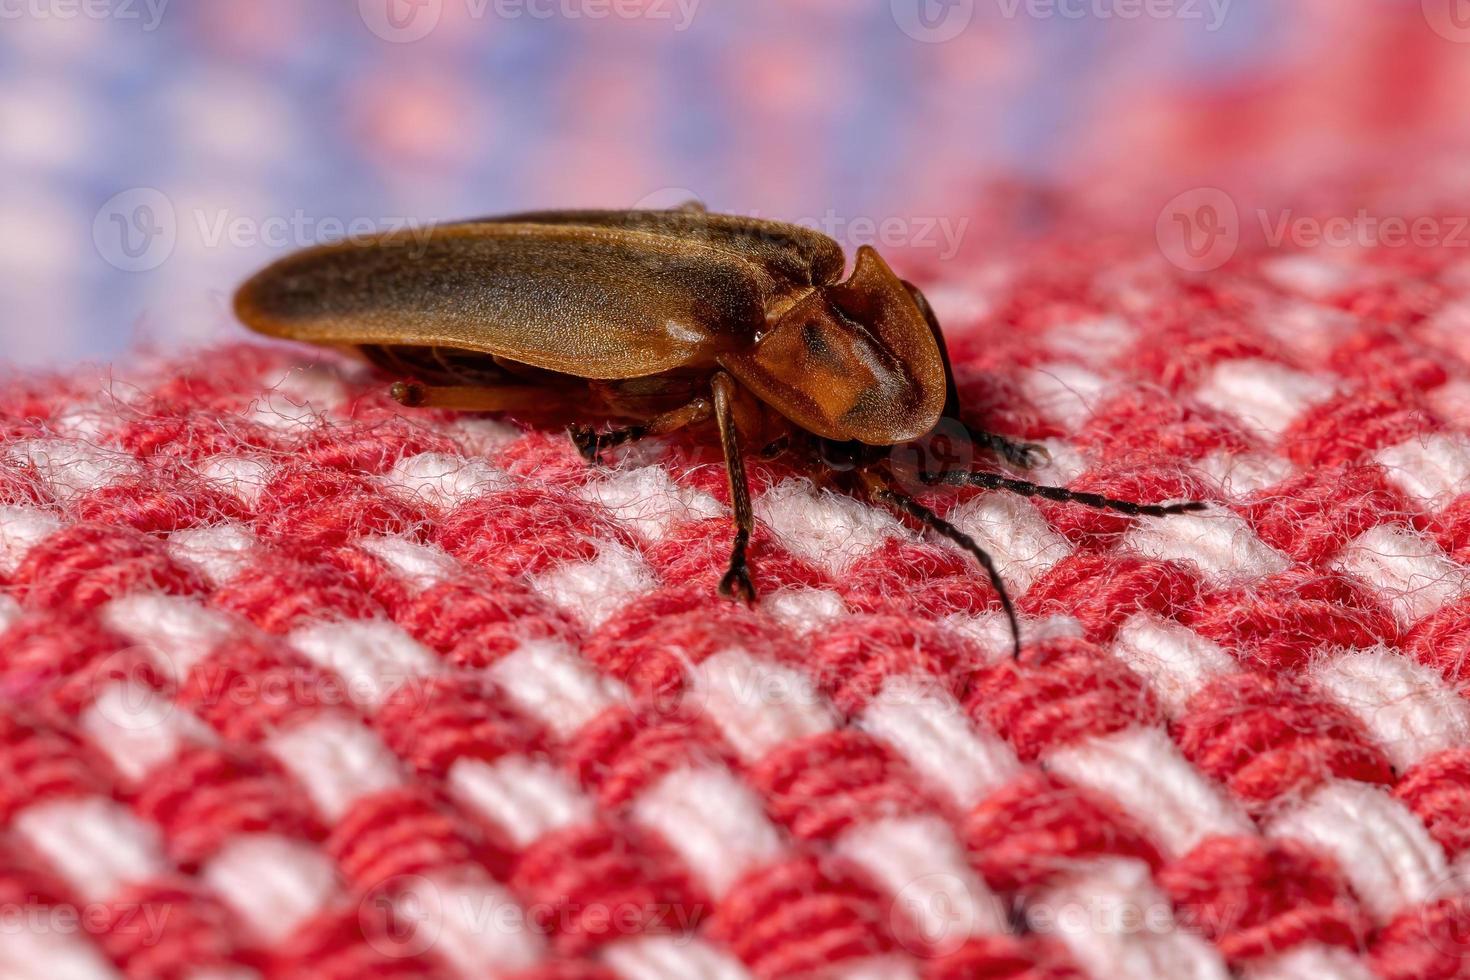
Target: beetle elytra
x,y
667,319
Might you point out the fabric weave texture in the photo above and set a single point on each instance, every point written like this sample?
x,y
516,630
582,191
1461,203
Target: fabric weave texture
x,y
297,682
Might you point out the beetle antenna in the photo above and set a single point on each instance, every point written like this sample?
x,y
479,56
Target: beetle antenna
x,y
994,481
929,519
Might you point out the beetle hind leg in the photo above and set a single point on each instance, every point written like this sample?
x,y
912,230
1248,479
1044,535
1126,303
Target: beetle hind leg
x,y
590,443
468,398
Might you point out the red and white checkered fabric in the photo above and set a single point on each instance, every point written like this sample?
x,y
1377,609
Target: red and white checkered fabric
x,y
296,682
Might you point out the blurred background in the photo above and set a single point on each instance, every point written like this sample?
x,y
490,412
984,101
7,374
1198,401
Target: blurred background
x,y
154,152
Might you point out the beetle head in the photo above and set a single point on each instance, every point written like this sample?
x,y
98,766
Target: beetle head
x,y
853,360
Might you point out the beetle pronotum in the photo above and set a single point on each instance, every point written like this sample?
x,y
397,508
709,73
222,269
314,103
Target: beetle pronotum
x,y
667,319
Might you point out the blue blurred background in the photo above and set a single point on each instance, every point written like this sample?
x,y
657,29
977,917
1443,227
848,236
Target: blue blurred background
x,y
153,152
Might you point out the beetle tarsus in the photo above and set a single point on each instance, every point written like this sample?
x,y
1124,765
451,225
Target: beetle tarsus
x,y
409,394
736,583
586,442
591,444
776,447
1025,455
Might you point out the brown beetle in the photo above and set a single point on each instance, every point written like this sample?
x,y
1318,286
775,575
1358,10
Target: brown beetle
x,y
667,318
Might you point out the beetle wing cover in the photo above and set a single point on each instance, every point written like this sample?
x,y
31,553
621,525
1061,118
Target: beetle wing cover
x,y
586,301
792,254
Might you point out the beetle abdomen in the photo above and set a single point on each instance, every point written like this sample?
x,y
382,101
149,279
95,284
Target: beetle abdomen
x,y
595,303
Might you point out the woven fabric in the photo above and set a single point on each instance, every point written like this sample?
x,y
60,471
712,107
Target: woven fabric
x,y
297,682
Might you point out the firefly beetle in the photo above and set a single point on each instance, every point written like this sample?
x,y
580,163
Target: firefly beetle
x,y
667,319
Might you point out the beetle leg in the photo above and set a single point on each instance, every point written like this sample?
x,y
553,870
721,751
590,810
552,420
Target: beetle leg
x,y
883,493
591,443
736,583
994,481
469,398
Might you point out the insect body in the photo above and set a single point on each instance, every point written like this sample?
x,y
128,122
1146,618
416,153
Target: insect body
x,y
666,318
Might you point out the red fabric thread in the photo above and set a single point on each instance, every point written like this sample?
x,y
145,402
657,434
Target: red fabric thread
x,y
474,646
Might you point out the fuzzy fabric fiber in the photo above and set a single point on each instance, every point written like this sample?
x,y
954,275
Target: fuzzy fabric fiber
x,y
296,682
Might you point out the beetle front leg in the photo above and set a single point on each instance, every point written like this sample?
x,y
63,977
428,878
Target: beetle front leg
x,y
736,583
881,492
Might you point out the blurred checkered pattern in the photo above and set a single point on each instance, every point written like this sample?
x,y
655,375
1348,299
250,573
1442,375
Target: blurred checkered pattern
x,y
155,151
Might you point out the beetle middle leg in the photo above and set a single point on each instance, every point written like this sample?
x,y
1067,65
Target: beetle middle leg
x,y
736,581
